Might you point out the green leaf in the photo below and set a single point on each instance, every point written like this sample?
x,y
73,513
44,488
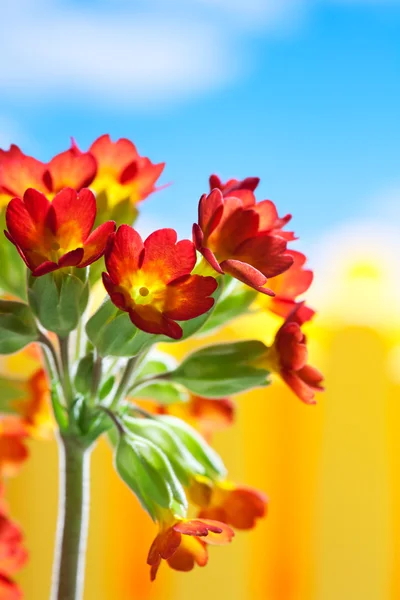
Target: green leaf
x,y
17,326
149,474
234,301
13,269
162,392
222,370
196,445
183,462
58,300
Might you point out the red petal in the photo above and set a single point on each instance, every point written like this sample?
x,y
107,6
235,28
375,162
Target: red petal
x,y
117,155
116,295
247,274
266,253
19,172
9,589
72,168
123,254
299,387
148,319
166,258
312,377
44,268
95,244
189,299
238,227
211,259
74,215
290,344
190,552
210,211
71,259
269,219
26,229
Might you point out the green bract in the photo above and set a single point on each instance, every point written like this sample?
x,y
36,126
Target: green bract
x,y
13,269
196,445
17,326
222,370
83,376
164,437
149,474
59,299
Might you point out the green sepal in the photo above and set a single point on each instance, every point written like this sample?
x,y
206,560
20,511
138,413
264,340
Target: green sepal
x,y
149,474
17,326
59,411
83,376
183,462
59,299
196,445
223,369
107,387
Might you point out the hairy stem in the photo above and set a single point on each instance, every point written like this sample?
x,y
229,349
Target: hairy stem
x,y
68,574
66,377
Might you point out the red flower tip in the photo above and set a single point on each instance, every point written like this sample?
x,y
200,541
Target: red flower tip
x,y
152,280
238,506
71,168
122,173
242,238
57,234
183,543
19,172
288,356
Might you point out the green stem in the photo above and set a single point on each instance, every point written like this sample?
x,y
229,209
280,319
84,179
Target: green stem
x,y
68,575
125,381
46,343
66,379
96,377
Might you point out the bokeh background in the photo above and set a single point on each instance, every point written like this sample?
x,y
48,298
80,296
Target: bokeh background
x,y
306,95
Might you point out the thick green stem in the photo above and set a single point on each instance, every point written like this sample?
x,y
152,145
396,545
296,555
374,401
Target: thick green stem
x,y
68,574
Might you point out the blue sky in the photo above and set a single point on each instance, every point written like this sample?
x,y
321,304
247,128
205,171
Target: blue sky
x,y
304,94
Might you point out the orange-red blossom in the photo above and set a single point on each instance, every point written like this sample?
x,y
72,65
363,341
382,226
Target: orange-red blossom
x,y
58,234
152,280
183,542
288,356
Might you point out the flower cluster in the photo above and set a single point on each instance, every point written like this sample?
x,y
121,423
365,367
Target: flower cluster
x,y
98,372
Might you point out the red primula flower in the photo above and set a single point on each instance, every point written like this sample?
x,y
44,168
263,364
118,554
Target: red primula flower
x,y
33,407
208,415
54,235
288,357
72,168
18,172
152,280
241,238
182,543
238,506
287,287
122,173
242,189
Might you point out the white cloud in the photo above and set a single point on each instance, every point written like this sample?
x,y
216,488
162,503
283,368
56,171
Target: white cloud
x,y
119,52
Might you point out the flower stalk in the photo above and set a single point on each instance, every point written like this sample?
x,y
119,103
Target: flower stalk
x,y
73,516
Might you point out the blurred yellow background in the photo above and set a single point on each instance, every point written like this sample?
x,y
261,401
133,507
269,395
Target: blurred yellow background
x,y
331,471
